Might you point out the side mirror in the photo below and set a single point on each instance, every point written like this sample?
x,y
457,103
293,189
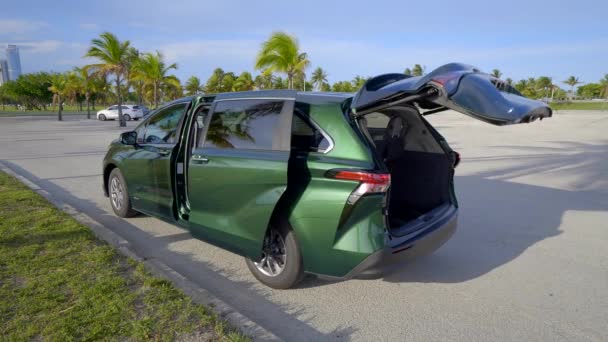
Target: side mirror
x,y
128,138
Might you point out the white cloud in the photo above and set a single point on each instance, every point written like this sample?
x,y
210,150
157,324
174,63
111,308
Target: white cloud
x,y
37,47
12,26
89,26
240,49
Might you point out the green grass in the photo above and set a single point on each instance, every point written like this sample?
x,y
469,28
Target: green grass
x,y
43,113
59,283
67,110
580,106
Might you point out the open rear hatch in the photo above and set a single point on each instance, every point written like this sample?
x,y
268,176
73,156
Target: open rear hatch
x,y
456,86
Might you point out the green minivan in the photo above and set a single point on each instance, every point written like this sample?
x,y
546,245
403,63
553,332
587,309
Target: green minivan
x,y
332,184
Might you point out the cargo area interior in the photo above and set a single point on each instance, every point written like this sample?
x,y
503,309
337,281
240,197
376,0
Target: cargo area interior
x,y
420,169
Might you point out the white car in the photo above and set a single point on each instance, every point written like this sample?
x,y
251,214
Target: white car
x,y
129,112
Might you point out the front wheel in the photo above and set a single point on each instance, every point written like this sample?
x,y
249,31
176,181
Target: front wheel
x,y
280,263
102,117
119,195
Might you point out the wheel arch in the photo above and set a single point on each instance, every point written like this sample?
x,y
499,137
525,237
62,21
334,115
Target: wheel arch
x,y
106,175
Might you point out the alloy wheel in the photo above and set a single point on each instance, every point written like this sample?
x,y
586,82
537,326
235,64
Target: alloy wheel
x,y
274,255
117,193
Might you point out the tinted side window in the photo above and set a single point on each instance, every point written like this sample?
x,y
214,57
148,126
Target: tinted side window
x,y
162,127
244,124
124,107
113,108
306,137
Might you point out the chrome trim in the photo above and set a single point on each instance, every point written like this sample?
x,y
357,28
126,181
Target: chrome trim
x,y
257,98
325,135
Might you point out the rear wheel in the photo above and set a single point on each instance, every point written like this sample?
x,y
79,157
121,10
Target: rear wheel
x,y
127,117
119,195
102,117
280,263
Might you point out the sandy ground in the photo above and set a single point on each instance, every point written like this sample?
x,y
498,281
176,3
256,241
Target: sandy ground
x,y
529,262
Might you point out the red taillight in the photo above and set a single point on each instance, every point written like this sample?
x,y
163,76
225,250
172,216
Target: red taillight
x,y
455,158
369,182
365,177
445,78
448,81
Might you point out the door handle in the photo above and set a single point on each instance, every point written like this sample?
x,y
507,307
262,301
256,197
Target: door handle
x,y
198,159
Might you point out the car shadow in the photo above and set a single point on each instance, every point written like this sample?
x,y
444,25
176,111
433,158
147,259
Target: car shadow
x,y
286,321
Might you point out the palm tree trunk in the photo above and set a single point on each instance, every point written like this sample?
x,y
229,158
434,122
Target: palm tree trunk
x,y
155,96
59,118
87,96
121,119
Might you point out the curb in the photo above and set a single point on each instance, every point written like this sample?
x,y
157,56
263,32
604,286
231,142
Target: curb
x,y
198,294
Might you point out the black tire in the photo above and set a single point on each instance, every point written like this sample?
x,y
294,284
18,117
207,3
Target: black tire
x,y
102,117
119,195
293,270
127,117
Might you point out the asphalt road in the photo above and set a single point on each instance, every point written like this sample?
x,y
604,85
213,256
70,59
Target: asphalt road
x,y
529,262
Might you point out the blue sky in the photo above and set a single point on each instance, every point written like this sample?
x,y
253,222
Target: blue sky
x,y
347,38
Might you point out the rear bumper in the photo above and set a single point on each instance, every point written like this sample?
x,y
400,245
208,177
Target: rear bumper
x,y
400,249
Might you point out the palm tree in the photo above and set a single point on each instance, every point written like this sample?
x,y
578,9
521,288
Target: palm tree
x,y
509,81
139,85
114,57
215,81
604,84
193,86
496,73
319,76
171,90
572,81
359,81
85,85
281,53
60,88
244,82
264,80
418,70
544,83
408,71
152,70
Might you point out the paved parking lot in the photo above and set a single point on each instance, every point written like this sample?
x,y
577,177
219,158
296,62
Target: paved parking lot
x,y
529,262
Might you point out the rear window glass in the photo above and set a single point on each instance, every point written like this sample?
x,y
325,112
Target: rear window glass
x,y
377,120
306,137
244,124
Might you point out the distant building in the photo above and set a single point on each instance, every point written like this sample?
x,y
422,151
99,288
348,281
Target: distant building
x,y
14,62
3,71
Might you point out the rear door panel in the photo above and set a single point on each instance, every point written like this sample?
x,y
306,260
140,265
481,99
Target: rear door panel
x,y
238,175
